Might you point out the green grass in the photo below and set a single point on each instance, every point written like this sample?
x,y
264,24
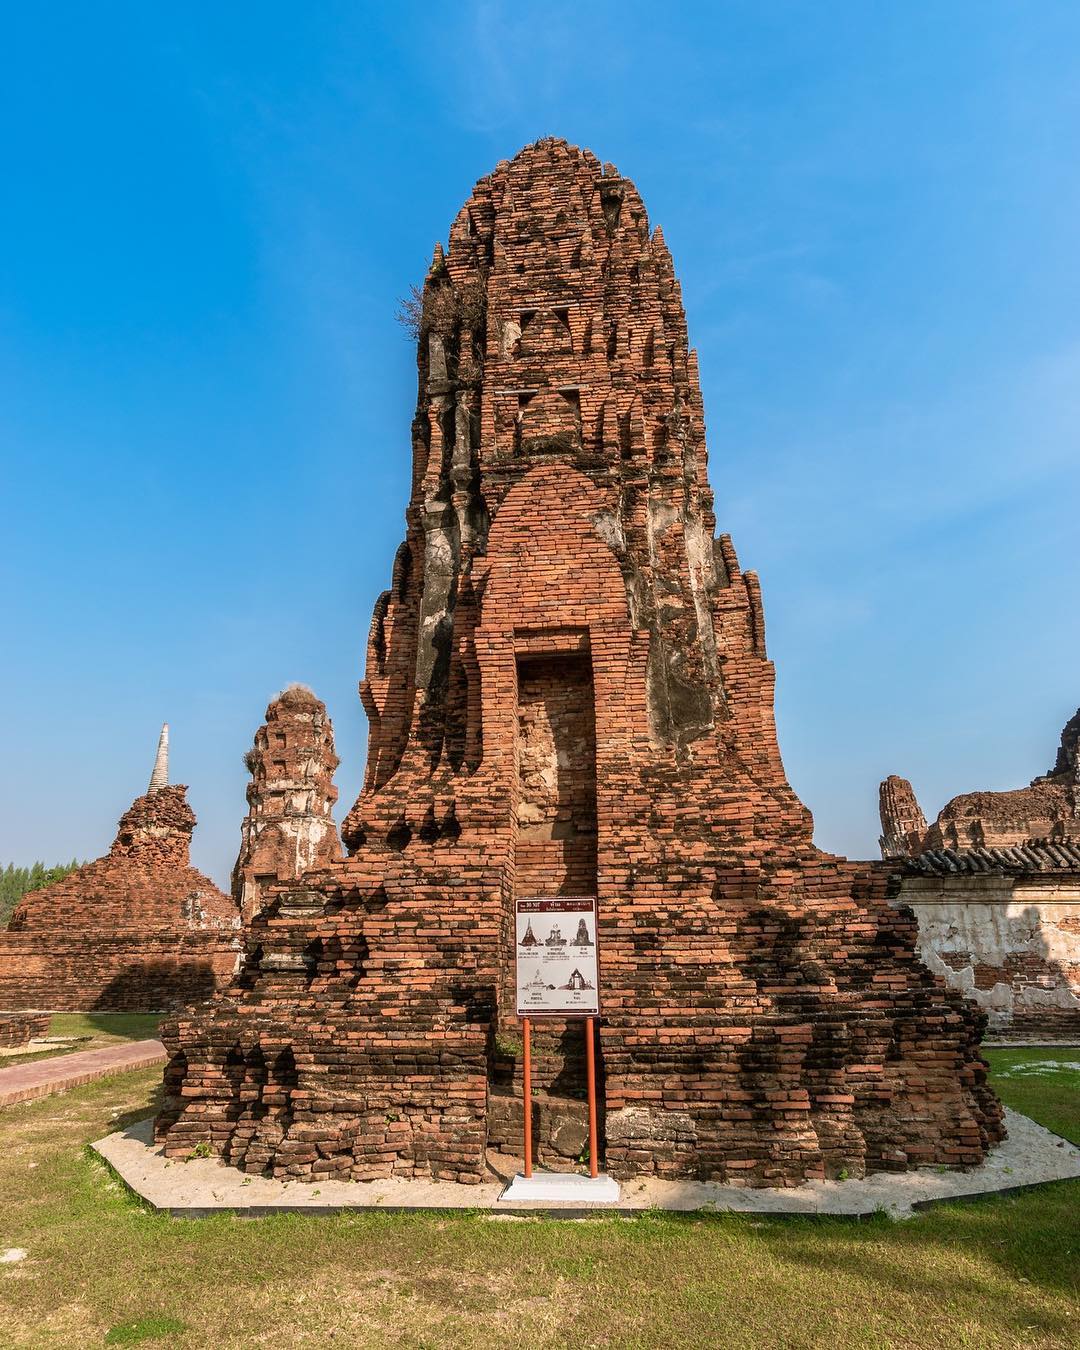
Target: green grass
x,y
103,1269
90,1031
1050,1096
143,1329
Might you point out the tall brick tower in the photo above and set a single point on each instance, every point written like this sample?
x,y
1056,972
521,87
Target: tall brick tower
x,y
569,695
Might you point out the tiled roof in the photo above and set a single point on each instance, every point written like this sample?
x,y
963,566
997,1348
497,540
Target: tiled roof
x,y
1036,856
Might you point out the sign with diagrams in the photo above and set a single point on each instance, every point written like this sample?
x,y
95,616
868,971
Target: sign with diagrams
x,y
557,969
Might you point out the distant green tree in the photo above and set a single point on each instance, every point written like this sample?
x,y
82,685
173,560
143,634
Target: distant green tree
x,y
15,882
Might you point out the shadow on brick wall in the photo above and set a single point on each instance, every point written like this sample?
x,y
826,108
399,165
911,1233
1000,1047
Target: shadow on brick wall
x,y
156,986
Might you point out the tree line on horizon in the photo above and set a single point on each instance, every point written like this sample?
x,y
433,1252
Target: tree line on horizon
x,y
15,882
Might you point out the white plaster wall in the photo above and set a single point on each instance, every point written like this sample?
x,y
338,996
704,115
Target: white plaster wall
x,y
1030,934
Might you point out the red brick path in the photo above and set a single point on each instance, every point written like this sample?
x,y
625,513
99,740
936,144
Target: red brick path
x,y
21,1082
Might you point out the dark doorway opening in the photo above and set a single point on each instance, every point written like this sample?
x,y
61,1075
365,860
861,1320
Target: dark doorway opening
x,y
556,766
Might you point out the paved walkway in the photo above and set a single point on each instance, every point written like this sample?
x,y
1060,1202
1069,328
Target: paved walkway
x,y
21,1082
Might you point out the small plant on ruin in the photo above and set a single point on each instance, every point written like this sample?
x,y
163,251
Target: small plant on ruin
x,y
444,308
201,1150
410,312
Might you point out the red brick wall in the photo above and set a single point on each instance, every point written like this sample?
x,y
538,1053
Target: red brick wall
x,y
113,972
17,1029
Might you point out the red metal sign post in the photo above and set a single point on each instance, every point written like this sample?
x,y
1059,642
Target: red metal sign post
x,y
526,1072
590,1069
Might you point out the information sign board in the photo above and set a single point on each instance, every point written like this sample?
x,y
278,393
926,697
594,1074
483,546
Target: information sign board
x,y
557,969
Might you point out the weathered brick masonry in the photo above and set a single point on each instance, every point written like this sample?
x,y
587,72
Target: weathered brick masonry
x,y
137,930
568,692
20,1028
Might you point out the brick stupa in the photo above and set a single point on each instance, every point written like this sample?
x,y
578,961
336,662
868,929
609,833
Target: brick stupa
x,y
569,695
137,930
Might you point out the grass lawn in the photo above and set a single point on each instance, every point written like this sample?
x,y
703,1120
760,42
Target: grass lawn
x,y
89,1031
100,1269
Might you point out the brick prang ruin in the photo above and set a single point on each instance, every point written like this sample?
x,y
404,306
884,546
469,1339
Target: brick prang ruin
x,y
569,694
902,821
289,828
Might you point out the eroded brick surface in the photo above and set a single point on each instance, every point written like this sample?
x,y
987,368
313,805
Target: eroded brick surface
x,y
19,1028
766,1018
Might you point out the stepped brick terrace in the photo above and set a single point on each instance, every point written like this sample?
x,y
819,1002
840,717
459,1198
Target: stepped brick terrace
x,y
569,695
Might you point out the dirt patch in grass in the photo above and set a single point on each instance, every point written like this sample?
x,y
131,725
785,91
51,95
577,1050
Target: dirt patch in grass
x,y
998,1272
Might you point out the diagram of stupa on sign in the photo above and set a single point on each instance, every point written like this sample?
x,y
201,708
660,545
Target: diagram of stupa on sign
x,y
530,939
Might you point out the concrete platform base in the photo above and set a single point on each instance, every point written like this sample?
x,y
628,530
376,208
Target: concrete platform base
x,y
1031,1156
561,1188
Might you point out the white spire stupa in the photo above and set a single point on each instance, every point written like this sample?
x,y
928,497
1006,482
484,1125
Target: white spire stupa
x,y
160,777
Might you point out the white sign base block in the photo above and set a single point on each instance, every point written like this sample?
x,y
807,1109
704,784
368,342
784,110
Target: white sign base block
x,y
562,1188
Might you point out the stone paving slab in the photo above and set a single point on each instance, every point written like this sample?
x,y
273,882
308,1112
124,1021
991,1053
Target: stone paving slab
x,y
1031,1156
22,1082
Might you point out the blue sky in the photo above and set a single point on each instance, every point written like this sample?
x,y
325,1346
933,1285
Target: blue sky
x,y
211,210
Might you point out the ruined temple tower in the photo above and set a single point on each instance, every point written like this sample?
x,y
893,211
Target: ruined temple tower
x,y
994,883
289,827
569,694
1048,809
137,930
